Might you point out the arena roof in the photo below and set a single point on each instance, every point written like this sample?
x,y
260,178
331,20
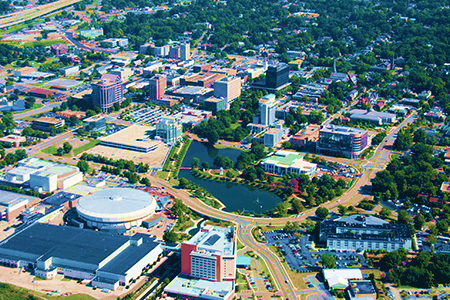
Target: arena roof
x,y
116,205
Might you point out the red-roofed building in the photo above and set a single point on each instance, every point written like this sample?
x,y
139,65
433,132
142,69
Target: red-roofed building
x,y
59,49
39,92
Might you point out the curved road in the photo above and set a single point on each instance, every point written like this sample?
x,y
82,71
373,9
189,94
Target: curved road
x,y
246,224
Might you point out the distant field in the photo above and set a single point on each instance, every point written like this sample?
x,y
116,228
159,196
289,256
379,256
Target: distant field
x,y
12,292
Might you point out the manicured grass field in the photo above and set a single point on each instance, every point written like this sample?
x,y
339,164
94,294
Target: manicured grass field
x,y
85,147
49,150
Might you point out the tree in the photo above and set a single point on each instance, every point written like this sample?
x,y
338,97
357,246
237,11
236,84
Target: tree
x,y
83,166
205,165
403,217
442,226
60,151
328,261
29,102
322,213
199,192
73,120
184,183
170,236
67,147
342,209
419,221
195,162
385,213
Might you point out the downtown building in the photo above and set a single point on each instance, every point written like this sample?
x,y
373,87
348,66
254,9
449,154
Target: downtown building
x,y
277,78
343,141
208,265
227,88
169,129
185,51
364,232
157,87
107,91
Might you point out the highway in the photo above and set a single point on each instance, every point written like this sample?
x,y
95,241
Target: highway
x,y
246,224
32,13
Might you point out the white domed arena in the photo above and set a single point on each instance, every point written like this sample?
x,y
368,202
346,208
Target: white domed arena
x,y
117,208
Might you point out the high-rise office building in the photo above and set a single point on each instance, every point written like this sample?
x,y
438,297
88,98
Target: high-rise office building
x,y
157,87
228,88
277,76
185,51
107,91
169,129
268,109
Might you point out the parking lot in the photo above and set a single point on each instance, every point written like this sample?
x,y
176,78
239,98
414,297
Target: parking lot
x,y
146,116
300,256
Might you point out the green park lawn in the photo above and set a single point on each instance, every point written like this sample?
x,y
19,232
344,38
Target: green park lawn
x,y
92,143
50,150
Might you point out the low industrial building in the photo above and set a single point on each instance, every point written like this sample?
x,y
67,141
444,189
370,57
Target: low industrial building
x,y
12,204
13,140
192,117
208,265
372,117
94,123
42,175
116,209
273,136
215,104
44,123
134,138
365,232
285,162
339,278
307,136
361,290
66,71
107,260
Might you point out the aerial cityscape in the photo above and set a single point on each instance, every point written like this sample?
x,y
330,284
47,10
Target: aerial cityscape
x,y
224,149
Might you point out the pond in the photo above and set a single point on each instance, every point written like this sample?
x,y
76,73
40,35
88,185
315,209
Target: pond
x,y
235,196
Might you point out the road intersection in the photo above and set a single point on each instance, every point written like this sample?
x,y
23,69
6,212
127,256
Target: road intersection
x,y
245,224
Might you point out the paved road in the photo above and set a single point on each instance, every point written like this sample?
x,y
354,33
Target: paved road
x,y
46,107
351,197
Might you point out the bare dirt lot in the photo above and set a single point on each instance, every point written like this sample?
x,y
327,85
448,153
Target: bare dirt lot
x,y
153,158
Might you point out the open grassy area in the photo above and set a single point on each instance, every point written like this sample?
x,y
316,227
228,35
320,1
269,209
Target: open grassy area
x,y
50,150
29,118
12,292
162,175
92,143
35,106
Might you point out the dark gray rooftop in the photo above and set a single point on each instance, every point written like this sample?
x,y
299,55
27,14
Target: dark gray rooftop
x,y
131,255
72,243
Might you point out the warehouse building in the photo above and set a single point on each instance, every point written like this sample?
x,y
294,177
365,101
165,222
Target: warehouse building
x,y
365,232
12,204
108,260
